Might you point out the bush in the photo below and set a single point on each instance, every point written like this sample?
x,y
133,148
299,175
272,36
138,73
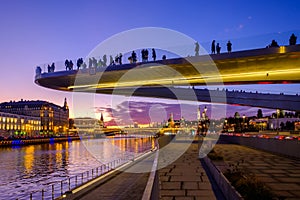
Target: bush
x,y
214,156
247,184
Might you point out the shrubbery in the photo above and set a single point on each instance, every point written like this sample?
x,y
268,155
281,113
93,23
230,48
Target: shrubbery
x,y
247,184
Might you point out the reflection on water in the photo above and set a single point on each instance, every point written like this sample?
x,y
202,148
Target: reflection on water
x,y
31,168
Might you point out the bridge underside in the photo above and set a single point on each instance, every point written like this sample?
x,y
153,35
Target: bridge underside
x,y
272,101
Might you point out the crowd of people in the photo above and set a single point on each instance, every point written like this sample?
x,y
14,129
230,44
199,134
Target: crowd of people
x,y
216,49
102,62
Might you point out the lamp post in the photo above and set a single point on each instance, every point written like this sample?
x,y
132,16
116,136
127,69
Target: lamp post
x,y
277,114
225,126
244,122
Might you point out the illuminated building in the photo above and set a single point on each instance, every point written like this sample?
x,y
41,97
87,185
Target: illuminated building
x,y
19,125
52,118
87,125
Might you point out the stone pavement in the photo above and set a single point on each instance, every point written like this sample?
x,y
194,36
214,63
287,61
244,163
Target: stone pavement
x,y
281,174
124,186
185,178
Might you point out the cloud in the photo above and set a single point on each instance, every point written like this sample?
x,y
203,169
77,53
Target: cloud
x,y
130,112
240,27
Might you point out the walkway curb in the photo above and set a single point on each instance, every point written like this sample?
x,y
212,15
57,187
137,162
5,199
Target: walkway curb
x,y
227,189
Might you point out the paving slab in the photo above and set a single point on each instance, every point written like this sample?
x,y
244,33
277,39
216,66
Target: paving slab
x,y
282,174
186,179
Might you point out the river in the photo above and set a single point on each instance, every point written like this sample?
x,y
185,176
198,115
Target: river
x,y
31,168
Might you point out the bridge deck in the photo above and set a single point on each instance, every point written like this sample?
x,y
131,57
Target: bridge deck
x,y
268,65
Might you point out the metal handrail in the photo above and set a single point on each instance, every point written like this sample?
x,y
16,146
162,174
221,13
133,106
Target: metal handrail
x,y
60,188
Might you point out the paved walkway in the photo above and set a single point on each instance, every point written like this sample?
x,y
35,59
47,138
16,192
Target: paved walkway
x,y
185,178
119,185
124,186
281,174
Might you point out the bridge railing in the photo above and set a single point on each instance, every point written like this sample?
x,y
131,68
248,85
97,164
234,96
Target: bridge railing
x,y
239,44
60,188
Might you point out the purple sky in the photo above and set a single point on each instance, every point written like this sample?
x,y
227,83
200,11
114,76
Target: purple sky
x,y
36,32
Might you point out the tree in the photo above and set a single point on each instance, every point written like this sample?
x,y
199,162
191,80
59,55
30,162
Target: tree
x,y
259,113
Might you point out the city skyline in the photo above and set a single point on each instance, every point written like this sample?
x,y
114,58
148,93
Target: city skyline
x,y
44,32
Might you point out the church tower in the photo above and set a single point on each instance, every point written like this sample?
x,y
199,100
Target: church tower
x,y
101,121
66,105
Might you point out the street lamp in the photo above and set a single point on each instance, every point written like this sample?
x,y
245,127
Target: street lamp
x,y
277,114
244,122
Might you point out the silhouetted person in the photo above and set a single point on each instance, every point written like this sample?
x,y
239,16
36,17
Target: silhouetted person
x,y
117,59
90,63
71,65
104,58
213,47
133,56
38,70
120,58
218,48
146,54
130,59
153,54
94,62
100,63
49,69
293,39
274,44
197,48
143,55
229,46
67,65
111,60
52,67
79,63
164,57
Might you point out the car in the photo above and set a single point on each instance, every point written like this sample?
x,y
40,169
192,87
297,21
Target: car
x,y
263,136
279,137
288,137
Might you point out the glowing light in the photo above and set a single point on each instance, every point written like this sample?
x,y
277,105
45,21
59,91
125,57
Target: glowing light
x,y
282,49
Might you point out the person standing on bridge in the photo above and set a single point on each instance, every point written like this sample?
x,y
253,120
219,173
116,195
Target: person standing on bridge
x,y
143,55
197,49
153,54
71,65
52,67
133,56
67,65
218,48
146,55
120,58
229,46
213,47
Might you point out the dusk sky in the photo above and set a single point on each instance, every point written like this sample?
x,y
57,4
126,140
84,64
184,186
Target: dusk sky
x,y
37,32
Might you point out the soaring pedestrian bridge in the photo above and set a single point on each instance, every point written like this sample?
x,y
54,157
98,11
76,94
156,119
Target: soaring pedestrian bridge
x,y
161,79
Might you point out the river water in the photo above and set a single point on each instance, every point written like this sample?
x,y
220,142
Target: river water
x,y
31,168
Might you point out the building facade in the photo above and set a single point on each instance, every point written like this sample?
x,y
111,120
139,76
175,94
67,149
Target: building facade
x,y
52,118
14,125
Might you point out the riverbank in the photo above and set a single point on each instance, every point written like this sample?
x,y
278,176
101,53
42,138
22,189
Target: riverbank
x,y
22,142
